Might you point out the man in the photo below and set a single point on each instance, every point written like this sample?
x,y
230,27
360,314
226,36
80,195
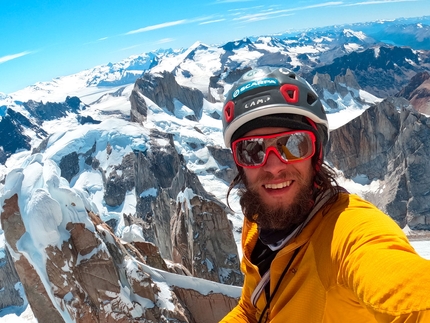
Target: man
x,y
312,252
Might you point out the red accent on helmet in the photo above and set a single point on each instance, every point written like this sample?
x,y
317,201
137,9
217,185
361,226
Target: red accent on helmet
x,y
290,92
229,111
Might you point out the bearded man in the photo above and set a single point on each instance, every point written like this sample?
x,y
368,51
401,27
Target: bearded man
x,y
312,252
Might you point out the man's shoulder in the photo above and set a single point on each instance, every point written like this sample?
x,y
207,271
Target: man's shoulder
x,y
351,212
346,201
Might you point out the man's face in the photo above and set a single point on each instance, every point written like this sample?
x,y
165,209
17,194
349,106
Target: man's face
x,y
280,193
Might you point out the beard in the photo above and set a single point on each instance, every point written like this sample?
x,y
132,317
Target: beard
x,y
279,217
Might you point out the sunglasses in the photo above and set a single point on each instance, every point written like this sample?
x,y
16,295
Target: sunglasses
x,y
289,146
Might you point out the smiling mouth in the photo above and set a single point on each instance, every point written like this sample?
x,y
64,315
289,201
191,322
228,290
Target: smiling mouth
x,y
278,186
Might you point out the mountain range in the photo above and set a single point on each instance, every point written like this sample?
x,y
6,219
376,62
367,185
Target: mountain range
x,y
113,180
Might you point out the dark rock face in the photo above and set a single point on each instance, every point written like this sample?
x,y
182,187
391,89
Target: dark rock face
x,y
418,92
421,98
119,181
139,109
163,90
14,125
342,85
202,240
12,133
414,83
9,295
227,170
234,45
160,222
3,156
11,137
360,147
69,166
381,71
87,119
178,229
155,172
389,142
53,110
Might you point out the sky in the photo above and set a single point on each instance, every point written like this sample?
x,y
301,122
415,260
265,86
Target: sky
x,y
41,40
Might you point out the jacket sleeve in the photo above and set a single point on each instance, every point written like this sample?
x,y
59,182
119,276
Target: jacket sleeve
x,y
245,312
376,261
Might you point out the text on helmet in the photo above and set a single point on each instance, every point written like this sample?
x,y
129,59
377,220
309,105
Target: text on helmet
x,y
254,84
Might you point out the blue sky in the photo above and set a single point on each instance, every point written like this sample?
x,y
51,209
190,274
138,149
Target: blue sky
x,y
43,39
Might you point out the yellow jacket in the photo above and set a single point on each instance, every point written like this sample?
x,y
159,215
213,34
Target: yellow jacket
x,y
355,265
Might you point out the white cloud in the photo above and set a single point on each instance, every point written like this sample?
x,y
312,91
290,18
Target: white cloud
x,y
325,4
158,26
200,20
263,16
212,21
271,14
164,40
230,1
130,47
6,58
363,3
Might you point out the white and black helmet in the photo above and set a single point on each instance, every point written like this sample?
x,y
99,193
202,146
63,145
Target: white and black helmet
x,y
273,97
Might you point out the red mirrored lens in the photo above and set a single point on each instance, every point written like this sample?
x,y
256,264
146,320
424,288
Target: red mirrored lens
x,y
290,146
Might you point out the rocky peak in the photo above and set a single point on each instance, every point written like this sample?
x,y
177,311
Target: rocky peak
x,y
158,176
185,229
202,240
342,86
164,90
348,79
238,44
16,130
94,277
323,81
418,92
388,142
53,110
381,71
9,279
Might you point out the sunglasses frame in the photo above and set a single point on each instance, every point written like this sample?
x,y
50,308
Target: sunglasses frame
x,y
272,148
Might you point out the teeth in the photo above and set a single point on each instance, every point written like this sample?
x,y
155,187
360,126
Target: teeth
x,y
278,186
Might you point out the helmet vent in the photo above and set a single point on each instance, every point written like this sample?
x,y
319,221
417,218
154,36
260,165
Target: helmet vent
x,y
311,98
229,111
290,92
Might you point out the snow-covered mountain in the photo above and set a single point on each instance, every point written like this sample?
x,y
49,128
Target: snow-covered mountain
x,y
199,62
207,68
411,32
138,143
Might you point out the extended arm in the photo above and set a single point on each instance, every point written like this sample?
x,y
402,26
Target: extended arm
x,y
379,265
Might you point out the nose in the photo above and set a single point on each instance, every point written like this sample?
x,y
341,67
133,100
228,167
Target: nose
x,y
273,164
